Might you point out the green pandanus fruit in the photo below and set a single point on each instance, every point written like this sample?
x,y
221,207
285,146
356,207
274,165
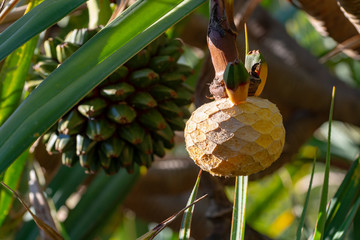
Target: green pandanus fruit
x,y
130,117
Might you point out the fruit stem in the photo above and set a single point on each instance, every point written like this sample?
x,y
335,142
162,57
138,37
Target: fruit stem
x,y
221,42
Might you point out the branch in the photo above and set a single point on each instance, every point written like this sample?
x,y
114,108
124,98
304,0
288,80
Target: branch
x,y
351,9
329,20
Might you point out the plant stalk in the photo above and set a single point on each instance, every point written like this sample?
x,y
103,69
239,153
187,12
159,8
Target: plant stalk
x,y
221,41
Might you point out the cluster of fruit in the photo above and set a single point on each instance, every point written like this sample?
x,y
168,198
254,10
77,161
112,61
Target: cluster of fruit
x,y
130,116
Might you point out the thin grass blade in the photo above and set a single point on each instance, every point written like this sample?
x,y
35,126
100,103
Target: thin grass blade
x,y
320,225
158,228
302,218
238,219
104,53
186,220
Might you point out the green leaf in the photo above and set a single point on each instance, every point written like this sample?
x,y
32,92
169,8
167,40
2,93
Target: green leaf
x,y
13,74
34,22
12,80
11,178
238,219
235,74
107,50
99,200
349,183
66,181
186,220
343,201
320,225
356,225
302,218
340,233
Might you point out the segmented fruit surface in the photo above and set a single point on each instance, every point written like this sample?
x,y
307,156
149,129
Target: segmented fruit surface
x,y
231,140
130,117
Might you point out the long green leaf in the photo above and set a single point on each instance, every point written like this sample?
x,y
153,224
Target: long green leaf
x,y
65,183
186,220
349,185
100,200
12,80
320,225
13,74
343,201
356,225
340,233
238,219
302,218
11,178
85,69
34,22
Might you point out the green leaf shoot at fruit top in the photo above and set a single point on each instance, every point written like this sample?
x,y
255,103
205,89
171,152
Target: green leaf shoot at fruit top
x,y
236,80
235,75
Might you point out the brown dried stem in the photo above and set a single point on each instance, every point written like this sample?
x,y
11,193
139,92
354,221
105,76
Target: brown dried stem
x,y
221,40
7,9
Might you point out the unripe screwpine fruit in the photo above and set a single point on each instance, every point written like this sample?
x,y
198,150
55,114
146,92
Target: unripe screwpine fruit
x,y
232,140
130,116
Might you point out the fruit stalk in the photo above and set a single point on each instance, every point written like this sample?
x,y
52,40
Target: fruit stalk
x,y
221,41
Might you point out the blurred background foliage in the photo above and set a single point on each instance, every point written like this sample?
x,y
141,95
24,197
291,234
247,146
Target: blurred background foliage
x,y
91,206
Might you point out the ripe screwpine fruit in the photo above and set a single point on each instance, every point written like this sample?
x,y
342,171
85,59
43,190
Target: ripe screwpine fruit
x,y
231,140
130,117
237,135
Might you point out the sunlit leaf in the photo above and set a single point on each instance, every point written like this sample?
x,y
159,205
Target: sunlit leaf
x,y
238,219
320,225
186,220
302,218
